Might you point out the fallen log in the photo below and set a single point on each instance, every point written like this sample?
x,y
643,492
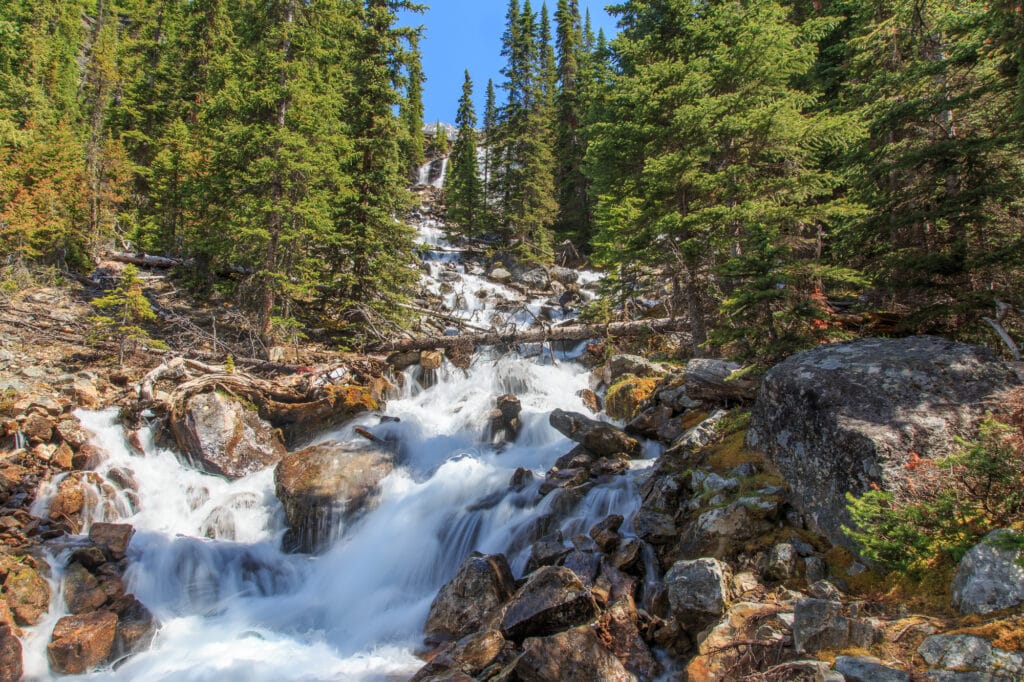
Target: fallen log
x,y
145,260
571,332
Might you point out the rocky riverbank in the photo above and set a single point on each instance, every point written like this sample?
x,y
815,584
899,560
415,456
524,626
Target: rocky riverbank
x,y
732,569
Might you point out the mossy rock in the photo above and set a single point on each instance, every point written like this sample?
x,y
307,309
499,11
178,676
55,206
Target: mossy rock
x,y
626,396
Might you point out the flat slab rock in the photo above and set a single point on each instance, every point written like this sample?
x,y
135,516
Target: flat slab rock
x,y
843,417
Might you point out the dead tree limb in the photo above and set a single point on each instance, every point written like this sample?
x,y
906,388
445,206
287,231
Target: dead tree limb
x,y
571,332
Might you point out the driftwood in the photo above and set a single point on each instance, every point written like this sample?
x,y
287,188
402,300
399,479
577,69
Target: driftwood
x,y
1002,310
571,332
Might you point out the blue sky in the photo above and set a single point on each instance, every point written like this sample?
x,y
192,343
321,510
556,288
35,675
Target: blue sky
x,y
466,34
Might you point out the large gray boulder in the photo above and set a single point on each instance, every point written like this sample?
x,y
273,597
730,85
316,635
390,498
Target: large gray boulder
x,y
225,437
604,440
989,578
844,417
698,592
323,486
471,598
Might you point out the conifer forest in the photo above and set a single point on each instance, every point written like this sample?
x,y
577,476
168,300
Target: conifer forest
x,y
738,161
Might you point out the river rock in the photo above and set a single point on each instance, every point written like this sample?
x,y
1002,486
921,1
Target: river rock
x,y
136,626
10,655
820,624
621,365
604,440
650,422
72,433
843,417
470,599
37,428
620,620
324,485
537,278
27,594
970,654
500,275
112,538
707,380
224,437
781,562
576,654
82,592
469,656
868,669
719,660
606,533
698,592
989,578
721,531
590,400
552,599
431,359
82,642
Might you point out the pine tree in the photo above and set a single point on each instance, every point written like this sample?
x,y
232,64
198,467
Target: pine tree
x,y
727,199
463,188
528,204
123,312
574,212
372,260
491,158
411,111
941,170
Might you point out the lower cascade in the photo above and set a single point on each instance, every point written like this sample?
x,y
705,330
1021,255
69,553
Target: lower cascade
x,y
207,555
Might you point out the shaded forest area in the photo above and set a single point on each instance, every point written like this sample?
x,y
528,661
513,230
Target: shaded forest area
x,y
775,173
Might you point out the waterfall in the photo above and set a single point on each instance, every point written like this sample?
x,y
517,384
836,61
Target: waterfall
x,y
206,556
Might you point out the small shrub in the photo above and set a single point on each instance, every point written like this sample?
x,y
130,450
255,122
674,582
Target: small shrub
x,y
948,506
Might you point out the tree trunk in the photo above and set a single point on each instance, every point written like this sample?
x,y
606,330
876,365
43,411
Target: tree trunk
x,y
575,332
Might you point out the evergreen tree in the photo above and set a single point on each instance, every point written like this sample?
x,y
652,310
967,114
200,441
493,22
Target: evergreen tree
x,y
463,188
528,204
727,199
122,313
411,111
491,157
574,213
372,264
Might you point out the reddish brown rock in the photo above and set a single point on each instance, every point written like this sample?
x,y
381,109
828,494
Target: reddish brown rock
x,y
82,642
621,622
481,585
324,485
27,593
37,428
72,433
552,599
112,538
577,654
10,656
82,592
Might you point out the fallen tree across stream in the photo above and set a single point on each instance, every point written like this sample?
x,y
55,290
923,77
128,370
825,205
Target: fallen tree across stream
x,y
570,332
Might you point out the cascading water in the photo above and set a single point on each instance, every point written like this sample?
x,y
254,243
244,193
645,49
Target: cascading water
x,y
206,559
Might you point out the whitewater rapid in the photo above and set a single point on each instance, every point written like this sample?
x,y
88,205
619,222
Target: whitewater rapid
x,y
206,556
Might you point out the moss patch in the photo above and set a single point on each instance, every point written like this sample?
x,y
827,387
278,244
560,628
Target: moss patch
x,y
625,397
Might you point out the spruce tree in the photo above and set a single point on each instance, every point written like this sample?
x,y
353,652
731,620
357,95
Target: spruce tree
x,y
463,187
411,109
